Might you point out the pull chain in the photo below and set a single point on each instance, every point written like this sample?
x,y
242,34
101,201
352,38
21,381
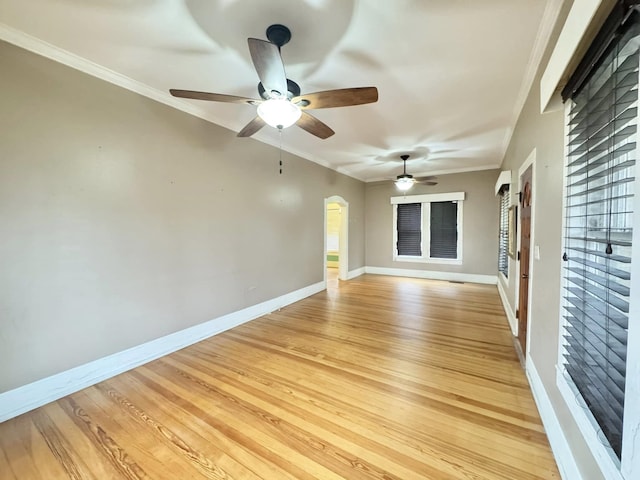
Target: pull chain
x,y
610,162
280,162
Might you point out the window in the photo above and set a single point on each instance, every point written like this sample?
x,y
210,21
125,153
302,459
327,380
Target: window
x,y
503,234
598,226
410,229
443,230
427,228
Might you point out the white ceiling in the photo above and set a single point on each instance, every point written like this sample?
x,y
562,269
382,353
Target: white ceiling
x,y
451,74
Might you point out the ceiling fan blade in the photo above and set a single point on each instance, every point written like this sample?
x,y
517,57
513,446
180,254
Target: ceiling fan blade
x,y
427,182
314,126
424,179
252,127
268,62
213,97
343,97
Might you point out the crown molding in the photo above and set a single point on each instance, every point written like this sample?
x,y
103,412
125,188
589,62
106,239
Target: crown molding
x,y
549,18
59,55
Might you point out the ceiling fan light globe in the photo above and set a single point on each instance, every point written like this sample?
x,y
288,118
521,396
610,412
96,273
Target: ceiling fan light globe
x,y
404,183
279,113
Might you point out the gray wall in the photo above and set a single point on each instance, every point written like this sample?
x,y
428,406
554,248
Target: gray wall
x,y
123,220
545,133
481,210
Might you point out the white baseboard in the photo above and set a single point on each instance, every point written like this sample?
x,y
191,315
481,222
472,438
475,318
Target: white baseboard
x,y
433,275
356,273
33,395
559,445
511,316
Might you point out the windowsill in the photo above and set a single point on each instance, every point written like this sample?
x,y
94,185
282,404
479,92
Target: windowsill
x,y
606,460
437,261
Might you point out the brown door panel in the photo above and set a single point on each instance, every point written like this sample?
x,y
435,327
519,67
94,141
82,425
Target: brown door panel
x,y
525,251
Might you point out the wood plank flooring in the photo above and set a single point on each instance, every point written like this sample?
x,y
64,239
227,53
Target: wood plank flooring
x,y
376,378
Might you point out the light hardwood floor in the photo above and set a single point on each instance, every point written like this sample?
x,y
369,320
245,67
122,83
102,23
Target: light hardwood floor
x,y
377,378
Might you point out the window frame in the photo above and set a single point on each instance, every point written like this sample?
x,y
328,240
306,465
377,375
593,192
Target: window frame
x,y
628,466
409,231
505,198
426,200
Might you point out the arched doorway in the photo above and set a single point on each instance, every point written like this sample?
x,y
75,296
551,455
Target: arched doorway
x,y
336,236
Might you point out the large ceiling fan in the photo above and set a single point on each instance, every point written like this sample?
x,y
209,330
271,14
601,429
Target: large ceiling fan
x,y
405,181
281,104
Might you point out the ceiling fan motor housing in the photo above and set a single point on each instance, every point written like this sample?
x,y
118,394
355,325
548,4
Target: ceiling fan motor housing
x,y
293,90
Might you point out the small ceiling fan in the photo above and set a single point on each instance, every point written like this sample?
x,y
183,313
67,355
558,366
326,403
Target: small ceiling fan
x,y
405,181
281,104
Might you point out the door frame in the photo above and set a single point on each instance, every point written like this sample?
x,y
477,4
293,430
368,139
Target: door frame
x,y
343,246
529,162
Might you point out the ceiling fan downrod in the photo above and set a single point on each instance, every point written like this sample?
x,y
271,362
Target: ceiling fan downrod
x,y
404,158
278,35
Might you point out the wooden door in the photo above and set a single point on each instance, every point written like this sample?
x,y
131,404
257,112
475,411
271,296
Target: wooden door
x,y
525,248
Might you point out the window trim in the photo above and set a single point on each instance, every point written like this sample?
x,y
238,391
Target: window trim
x,y
504,196
429,197
612,468
426,200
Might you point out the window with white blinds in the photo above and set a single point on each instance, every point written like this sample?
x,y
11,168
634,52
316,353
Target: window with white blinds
x,y
599,198
503,234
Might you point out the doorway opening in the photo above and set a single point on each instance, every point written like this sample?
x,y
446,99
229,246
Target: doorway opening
x,y
336,238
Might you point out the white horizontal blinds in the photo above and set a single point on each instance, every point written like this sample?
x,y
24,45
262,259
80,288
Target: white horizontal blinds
x,y
599,206
444,230
503,236
409,227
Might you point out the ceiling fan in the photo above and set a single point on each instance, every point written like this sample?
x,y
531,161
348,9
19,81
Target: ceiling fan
x,y
405,181
281,104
